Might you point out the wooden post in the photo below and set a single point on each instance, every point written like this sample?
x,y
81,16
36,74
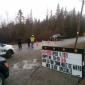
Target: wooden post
x,y
78,27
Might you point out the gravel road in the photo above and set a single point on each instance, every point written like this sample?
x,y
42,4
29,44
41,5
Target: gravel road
x,y
25,69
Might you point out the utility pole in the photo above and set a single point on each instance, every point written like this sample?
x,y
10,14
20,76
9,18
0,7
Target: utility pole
x,y
78,27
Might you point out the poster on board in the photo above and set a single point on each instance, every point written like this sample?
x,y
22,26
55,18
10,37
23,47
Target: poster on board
x,y
65,60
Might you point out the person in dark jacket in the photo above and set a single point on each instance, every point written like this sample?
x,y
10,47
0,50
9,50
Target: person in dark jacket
x,y
19,41
28,42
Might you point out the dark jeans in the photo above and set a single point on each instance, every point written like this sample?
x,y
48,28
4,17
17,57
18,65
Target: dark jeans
x,y
32,43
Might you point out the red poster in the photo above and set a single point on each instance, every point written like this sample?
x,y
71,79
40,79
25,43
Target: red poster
x,y
47,52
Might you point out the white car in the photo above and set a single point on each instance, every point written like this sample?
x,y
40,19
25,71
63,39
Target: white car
x,y
6,50
57,37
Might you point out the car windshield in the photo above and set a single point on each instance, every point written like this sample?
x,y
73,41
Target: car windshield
x,y
1,44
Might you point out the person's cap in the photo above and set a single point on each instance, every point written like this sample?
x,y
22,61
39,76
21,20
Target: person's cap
x,y
32,35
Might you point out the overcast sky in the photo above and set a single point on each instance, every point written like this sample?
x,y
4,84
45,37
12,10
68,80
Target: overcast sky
x,y
9,8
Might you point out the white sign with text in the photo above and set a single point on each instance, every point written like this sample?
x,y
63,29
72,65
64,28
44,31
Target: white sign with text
x,y
66,62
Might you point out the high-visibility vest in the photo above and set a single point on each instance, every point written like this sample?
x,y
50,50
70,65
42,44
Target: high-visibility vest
x,y
32,39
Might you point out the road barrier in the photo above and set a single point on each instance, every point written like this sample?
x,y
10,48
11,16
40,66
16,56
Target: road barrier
x,y
38,45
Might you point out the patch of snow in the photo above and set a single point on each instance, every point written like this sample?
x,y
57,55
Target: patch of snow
x,y
25,64
34,60
15,66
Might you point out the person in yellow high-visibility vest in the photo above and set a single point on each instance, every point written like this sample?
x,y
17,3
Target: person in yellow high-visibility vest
x,y
32,39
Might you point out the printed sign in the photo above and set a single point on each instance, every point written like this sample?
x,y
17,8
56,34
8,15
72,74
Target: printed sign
x,y
65,60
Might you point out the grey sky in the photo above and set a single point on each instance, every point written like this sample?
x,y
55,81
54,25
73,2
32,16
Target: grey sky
x,y
9,8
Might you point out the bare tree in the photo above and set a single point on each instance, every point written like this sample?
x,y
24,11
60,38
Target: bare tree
x,y
20,16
